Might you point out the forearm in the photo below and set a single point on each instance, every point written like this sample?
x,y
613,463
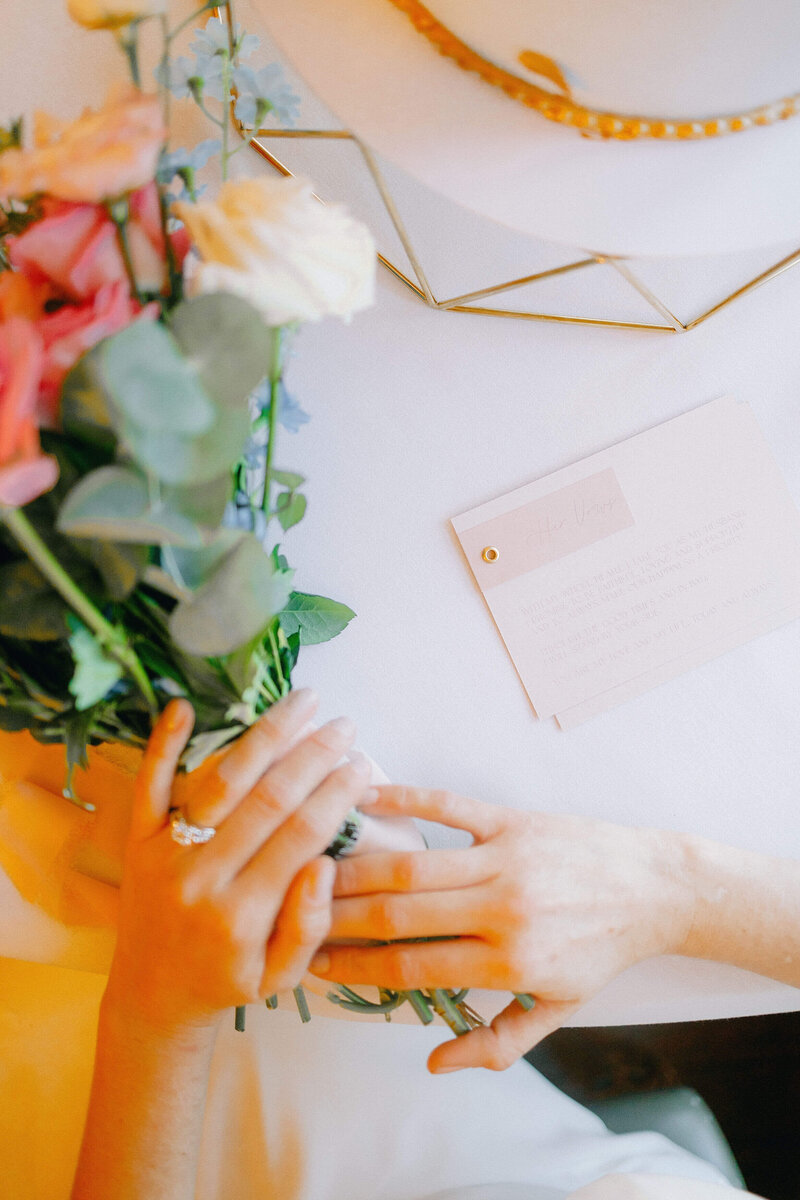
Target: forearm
x,y
143,1128
746,911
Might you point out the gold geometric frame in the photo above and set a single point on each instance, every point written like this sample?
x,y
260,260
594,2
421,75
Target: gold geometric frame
x,y
469,302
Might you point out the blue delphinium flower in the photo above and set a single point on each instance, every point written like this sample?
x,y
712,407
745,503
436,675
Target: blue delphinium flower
x,y
175,75
290,413
262,91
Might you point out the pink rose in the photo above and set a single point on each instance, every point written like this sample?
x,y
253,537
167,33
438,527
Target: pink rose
x,y
73,329
25,472
75,246
99,156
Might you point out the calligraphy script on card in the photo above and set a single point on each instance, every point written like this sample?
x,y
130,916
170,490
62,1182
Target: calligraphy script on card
x,y
641,562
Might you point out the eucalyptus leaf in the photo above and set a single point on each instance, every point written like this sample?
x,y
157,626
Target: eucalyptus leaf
x,y
181,460
84,409
234,605
226,343
196,566
204,503
121,565
291,508
29,608
151,383
288,479
114,503
95,672
316,618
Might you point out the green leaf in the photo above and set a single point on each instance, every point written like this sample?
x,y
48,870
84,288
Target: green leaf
x,y
14,718
291,508
226,343
235,604
288,479
176,459
29,608
196,566
204,503
114,504
78,728
151,383
95,673
121,565
85,413
315,618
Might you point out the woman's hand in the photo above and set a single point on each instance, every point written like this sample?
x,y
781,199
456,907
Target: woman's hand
x,y
551,905
206,927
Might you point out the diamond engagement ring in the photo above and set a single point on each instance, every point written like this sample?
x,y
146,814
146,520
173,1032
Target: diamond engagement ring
x,y
186,834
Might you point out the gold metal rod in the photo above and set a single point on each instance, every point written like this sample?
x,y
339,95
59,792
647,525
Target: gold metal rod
x,y
627,274
771,273
526,316
396,220
515,283
341,134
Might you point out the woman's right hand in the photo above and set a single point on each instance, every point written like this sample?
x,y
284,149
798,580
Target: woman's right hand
x,y
203,928
551,905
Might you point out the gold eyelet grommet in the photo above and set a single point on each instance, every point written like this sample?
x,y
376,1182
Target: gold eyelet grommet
x,y
490,554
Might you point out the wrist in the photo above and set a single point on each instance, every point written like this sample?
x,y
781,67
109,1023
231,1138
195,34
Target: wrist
x,y
122,1012
676,882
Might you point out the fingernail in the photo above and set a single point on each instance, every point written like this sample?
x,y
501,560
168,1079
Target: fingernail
x,y
175,716
360,763
342,727
445,1070
320,962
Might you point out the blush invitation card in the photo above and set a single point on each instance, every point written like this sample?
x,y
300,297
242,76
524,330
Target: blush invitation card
x,y
624,570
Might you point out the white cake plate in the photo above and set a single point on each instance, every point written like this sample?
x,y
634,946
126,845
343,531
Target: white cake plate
x,y
467,140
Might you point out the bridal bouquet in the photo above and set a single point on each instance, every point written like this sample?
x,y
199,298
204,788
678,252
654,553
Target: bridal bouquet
x,y
143,335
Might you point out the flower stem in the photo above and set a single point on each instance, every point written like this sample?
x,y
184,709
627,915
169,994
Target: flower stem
x,y
173,33
129,41
111,639
274,382
119,211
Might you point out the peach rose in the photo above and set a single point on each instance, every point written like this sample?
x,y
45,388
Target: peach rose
x,y
101,155
25,472
111,14
75,247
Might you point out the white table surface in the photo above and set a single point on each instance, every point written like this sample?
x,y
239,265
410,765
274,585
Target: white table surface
x,y
419,415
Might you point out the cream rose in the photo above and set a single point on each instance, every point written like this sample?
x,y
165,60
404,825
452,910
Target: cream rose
x,y
102,154
272,242
111,14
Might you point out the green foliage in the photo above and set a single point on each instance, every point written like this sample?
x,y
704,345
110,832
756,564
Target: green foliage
x,y
235,604
29,608
11,135
117,503
315,618
95,672
291,508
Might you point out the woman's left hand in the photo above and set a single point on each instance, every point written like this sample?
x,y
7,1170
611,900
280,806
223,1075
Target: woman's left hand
x,y
555,906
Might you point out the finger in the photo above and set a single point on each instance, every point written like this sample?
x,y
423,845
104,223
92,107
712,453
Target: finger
x,y
302,923
512,1033
306,833
463,962
209,794
385,917
483,821
280,792
418,871
153,788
